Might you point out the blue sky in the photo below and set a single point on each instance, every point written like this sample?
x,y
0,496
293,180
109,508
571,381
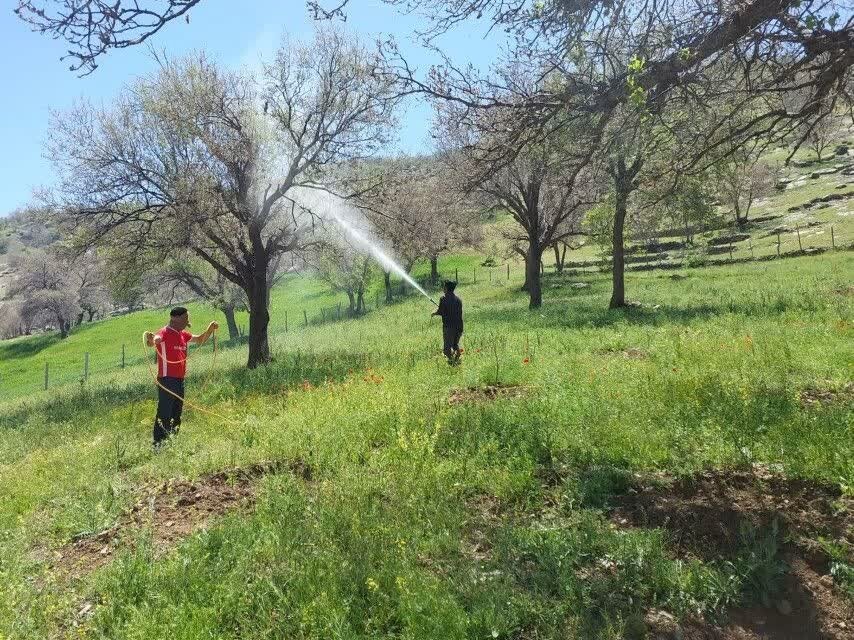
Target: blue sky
x,y
36,81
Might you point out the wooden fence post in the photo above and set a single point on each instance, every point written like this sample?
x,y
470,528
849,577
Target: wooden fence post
x,y
123,356
475,275
490,276
730,252
508,272
778,244
85,366
832,239
305,316
286,320
322,315
798,231
457,274
46,367
339,310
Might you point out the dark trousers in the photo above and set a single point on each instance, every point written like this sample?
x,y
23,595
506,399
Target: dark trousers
x,y
169,408
451,338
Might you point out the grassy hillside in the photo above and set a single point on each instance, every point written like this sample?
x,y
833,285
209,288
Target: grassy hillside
x,y
297,298
359,487
794,215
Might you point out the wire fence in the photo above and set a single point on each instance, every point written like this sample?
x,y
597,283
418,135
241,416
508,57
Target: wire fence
x,y
809,239
79,370
777,244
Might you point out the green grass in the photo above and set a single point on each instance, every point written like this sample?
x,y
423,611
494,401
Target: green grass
x,y
382,541
22,360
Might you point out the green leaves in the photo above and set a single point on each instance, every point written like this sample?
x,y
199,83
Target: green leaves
x,y
637,94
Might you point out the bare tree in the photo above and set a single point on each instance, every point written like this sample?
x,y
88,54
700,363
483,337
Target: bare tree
x,y
418,212
11,323
87,279
190,159
42,284
820,136
344,266
740,178
545,187
93,27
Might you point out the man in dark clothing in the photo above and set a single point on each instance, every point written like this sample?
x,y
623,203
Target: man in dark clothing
x,y
451,311
171,345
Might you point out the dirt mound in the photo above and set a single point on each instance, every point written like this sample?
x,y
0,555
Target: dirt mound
x,y
485,394
815,396
171,511
706,515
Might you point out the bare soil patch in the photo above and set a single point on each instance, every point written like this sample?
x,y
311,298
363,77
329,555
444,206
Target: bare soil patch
x,y
171,511
486,394
822,396
704,515
629,353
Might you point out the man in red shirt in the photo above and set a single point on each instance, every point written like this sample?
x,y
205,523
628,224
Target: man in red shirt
x,y
171,345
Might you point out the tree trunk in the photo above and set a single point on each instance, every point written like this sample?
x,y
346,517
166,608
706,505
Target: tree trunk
x,y
739,220
624,184
532,274
618,263
259,313
351,297
233,331
63,328
360,300
80,318
434,270
387,280
91,313
688,239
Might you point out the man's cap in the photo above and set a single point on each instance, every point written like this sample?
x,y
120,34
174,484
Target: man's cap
x,y
450,285
177,311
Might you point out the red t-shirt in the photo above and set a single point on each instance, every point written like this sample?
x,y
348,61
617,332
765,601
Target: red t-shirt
x,y
172,352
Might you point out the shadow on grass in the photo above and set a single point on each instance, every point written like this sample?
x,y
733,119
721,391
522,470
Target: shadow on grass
x,y
590,310
288,371
28,347
592,314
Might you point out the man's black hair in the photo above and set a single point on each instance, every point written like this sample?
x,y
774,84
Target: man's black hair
x,y
450,285
177,311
